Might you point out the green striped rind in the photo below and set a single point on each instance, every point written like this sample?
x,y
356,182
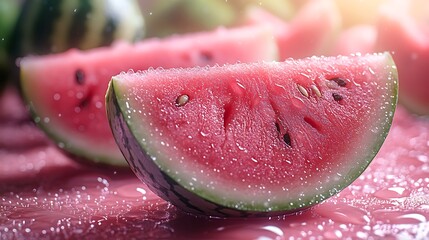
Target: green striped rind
x,y
51,26
8,14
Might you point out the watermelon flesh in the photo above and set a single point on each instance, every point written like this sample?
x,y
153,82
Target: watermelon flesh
x,y
69,101
254,139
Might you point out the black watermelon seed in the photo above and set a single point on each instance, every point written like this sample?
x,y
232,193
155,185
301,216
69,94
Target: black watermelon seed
x,y
79,76
286,139
341,82
337,97
277,127
86,100
206,56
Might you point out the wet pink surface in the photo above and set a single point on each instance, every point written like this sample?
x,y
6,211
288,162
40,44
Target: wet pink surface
x,y
46,194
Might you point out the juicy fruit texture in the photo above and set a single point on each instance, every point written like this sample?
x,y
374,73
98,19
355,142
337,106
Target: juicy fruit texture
x,y
410,46
69,101
55,26
254,139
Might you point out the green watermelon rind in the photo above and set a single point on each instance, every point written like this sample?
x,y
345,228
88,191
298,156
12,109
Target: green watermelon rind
x,y
281,206
74,24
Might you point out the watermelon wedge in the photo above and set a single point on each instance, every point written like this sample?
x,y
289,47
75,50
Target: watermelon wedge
x,y
403,29
66,91
254,139
310,32
356,39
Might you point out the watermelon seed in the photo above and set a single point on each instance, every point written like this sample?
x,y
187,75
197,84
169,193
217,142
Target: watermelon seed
x,y
316,90
182,100
286,139
86,100
227,115
79,77
337,97
341,82
206,56
303,90
277,127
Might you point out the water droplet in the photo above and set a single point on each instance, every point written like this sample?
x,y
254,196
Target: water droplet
x,y
400,217
99,105
237,87
79,95
204,134
57,96
341,212
241,148
392,192
335,234
250,231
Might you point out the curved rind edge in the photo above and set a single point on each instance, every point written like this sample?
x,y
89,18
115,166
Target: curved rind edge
x,y
149,172
61,141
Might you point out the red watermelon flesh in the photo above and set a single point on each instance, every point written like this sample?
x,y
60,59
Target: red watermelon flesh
x,y
310,32
66,91
254,139
405,33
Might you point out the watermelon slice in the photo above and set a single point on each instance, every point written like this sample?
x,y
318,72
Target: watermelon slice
x,y
357,12
310,32
356,39
66,91
254,139
403,29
